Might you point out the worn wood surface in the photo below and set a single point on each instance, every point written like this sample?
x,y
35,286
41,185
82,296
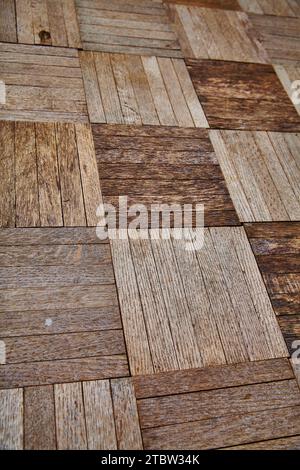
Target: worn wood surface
x,y
67,294
240,308
276,248
262,173
167,165
55,177
229,93
288,75
271,7
280,36
42,22
43,83
124,89
127,27
217,34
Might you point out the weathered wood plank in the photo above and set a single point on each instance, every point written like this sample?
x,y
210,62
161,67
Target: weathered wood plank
x,y
11,419
39,418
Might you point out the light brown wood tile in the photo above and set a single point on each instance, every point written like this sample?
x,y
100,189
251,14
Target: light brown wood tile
x,y
60,313
271,7
42,83
50,175
254,408
183,309
207,33
124,89
129,27
262,173
44,22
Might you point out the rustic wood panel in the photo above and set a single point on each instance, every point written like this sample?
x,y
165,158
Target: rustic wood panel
x,y
276,248
246,331
59,306
162,166
43,22
182,409
262,173
55,173
131,27
206,33
229,92
124,89
222,4
280,37
285,443
42,84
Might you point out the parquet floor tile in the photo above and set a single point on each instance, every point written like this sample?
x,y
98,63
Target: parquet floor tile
x,y
42,83
49,175
262,172
131,27
44,22
242,96
206,33
276,247
280,37
162,165
259,402
59,308
141,90
184,309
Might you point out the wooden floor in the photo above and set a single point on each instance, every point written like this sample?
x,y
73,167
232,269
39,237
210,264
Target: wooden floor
x,y
146,343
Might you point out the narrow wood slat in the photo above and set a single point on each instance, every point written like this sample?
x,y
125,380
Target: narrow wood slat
x,y
70,420
57,24
225,431
273,230
40,22
126,415
71,23
89,174
51,372
11,419
64,346
211,378
41,322
48,176
39,418
27,203
71,189
24,21
7,169
99,415
49,236
198,406
285,443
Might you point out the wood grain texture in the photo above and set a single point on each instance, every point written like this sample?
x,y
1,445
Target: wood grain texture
x,y
280,36
222,4
276,248
43,83
139,90
39,418
162,166
240,310
261,170
56,178
11,419
127,27
207,33
182,409
42,22
59,304
238,87
269,7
